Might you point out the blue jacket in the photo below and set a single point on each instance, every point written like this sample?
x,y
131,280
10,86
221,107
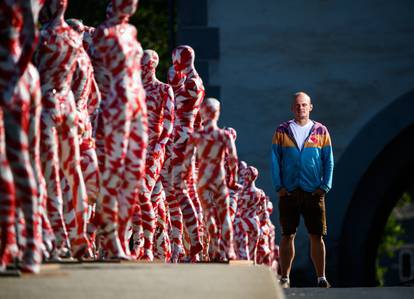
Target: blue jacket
x,y
310,168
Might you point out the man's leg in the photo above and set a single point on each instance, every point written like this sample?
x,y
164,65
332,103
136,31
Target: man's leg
x,y
314,214
289,217
287,254
318,254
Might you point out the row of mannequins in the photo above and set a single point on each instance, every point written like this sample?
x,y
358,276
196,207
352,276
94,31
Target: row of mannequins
x,y
101,160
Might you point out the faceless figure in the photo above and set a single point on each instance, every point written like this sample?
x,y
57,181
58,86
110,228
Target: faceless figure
x,y
263,252
103,80
18,20
234,192
124,118
8,245
176,80
19,128
87,98
247,226
160,109
212,145
188,98
56,59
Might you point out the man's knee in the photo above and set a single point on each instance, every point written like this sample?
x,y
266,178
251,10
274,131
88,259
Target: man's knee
x,y
316,238
288,237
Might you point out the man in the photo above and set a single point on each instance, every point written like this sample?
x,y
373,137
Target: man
x,y
302,168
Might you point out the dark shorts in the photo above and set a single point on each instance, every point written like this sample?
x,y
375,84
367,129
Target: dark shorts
x,y
311,207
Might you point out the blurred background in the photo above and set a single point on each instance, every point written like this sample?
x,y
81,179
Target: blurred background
x,y
356,61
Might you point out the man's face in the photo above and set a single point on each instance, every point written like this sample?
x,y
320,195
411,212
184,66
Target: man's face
x,y
301,107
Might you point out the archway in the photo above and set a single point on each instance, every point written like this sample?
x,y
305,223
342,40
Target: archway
x,y
381,139
374,198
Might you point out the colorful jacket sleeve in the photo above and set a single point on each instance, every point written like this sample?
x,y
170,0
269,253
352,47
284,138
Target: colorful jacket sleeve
x,y
327,162
276,159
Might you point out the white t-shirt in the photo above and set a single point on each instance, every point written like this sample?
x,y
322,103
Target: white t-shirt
x,y
300,132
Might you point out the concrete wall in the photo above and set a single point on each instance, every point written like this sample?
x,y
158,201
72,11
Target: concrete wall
x,y
354,59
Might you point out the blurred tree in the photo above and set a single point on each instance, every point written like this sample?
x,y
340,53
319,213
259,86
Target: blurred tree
x,y
151,20
391,238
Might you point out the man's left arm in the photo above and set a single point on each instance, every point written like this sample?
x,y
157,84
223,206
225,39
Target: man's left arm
x,y
327,163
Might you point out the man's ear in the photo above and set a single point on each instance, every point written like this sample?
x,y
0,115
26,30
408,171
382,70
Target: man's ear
x,y
311,107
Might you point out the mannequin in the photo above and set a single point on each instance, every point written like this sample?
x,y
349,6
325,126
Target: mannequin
x,y
234,193
160,109
188,100
211,145
20,177
176,80
87,98
124,115
247,224
56,58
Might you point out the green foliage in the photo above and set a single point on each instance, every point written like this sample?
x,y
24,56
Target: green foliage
x,y
152,23
151,20
391,238
91,12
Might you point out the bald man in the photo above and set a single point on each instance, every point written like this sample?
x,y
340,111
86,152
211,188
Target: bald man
x,y
302,168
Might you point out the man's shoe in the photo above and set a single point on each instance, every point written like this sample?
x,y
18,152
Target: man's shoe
x,y
284,283
323,283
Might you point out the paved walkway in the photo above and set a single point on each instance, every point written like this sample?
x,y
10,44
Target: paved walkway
x,y
143,280
73,280
351,293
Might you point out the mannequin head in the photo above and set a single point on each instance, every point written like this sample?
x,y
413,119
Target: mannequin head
x,y
183,58
269,205
52,10
251,174
57,8
149,63
242,167
123,9
210,110
233,133
109,12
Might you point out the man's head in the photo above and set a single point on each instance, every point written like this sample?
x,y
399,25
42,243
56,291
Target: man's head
x,y
301,106
210,109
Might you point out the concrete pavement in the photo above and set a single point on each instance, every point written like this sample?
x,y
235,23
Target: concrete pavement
x,y
353,293
143,280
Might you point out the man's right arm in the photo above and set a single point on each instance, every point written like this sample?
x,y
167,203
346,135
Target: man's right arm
x,y
276,165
